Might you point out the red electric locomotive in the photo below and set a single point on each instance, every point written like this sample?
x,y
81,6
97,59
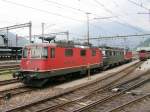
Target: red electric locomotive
x,y
40,62
128,56
144,55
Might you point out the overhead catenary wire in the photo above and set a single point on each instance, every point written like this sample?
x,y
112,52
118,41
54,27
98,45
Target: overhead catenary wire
x,y
119,36
117,17
139,5
142,6
83,11
70,18
102,5
73,8
44,11
41,10
66,6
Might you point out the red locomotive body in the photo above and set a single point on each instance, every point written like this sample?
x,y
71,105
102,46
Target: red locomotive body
x,y
144,55
128,56
42,61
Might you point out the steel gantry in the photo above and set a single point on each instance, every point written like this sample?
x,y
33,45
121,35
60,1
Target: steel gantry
x,y
29,24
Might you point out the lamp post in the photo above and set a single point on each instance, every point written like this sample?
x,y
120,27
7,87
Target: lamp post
x,y
87,14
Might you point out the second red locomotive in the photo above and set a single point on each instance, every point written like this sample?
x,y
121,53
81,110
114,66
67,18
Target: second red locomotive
x,y
144,55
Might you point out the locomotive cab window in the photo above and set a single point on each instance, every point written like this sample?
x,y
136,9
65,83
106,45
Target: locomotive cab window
x,y
68,52
52,52
25,53
44,52
83,52
93,52
39,52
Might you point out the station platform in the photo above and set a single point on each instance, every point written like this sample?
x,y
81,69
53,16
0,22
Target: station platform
x,y
87,80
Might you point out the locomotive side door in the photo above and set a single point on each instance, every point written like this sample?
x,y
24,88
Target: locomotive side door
x,y
52,58
83,53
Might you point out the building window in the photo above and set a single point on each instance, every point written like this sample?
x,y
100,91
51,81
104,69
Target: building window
x,y
93,52
68,52
83,52
114,53
52,52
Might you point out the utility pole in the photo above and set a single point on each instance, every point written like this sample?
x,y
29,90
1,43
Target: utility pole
x,y
7,35
43,32
16,40
67,33
16,46
88,35
30,31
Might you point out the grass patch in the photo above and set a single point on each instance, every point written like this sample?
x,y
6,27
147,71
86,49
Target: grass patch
x,y
6,77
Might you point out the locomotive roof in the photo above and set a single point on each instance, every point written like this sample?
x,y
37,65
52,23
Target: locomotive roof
x,y
59,45
73,45
110,48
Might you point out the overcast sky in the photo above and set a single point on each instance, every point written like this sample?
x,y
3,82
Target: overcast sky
x,y
59,15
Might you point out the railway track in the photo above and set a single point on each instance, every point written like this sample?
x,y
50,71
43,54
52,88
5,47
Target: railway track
x,y
8,71
129,103
8,68
12,68
119,98
89,99
14,91
51,104
6,82
9,62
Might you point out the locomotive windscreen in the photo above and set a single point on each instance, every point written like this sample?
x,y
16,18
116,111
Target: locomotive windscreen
x,y
25,54
35,52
